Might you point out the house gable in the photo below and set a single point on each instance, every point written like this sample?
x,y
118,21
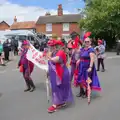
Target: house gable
x,y
4,25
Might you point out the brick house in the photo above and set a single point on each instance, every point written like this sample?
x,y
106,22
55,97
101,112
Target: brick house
x,y
4,25
61,25
26,25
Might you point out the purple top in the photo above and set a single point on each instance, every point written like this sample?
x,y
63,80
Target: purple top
x,y
85,54
23,60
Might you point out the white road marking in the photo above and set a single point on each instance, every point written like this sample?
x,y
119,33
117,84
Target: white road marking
x,y
112,57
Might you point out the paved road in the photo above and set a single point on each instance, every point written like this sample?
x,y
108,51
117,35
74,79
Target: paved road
x,y
17,105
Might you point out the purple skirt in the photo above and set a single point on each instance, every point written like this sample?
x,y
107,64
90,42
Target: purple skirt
x,y
61,90
83,76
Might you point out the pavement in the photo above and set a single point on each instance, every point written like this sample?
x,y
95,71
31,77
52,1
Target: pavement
x,y
17,105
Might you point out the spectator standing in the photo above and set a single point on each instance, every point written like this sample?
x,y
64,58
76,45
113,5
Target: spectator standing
x,y
100,51
15,47
1,52
118,47
6,48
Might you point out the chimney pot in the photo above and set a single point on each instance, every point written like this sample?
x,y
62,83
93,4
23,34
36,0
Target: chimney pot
x,y
15,19
60,6
47,14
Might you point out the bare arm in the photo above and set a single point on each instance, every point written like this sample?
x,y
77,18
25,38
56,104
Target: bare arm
x,y
92,59
55,59
78,62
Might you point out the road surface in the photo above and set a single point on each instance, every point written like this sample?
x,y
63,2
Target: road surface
x,y
17,105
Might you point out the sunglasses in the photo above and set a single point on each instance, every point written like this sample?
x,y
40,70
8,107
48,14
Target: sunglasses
x,y
87,41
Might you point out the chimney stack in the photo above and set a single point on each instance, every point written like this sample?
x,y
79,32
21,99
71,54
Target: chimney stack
x,y
60,10
15,19
47,14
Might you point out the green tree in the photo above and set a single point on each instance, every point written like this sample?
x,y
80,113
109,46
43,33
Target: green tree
x,y
102,19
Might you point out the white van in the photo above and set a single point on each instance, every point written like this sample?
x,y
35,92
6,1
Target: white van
x,y
21,35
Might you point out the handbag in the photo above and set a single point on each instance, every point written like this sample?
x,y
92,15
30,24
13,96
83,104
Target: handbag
x,y
21,68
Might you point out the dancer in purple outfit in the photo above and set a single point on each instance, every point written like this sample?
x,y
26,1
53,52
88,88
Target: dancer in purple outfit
x,y
75,55
87,69
26,67
59,77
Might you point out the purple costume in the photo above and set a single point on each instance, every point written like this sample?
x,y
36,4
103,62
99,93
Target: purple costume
x,y
27,65
61,89
27,69
83,67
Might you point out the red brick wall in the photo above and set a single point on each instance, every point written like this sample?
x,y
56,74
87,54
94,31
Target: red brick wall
x,y
58,29
4,26
41,28
74,27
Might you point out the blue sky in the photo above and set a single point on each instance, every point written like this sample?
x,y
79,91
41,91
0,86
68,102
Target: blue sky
x,y
30,10
69,5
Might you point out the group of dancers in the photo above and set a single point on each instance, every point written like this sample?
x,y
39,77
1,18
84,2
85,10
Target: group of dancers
x,y
82,71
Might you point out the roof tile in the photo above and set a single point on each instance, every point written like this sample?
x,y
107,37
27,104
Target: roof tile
x,y
23,25
59,19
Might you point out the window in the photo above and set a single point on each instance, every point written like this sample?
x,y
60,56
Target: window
x,y
49,27
22,37
65,26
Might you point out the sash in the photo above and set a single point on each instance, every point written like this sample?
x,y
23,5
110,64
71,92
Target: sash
x,y
59,69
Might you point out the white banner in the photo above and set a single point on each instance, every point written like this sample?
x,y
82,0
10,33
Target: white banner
x,y
19,45
37,58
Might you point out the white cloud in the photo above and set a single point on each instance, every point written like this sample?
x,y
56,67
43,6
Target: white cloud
x,y
2,1
23,13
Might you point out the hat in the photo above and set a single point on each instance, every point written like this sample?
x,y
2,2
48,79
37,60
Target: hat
x,y
87,34
75,43
74,34
54,42
51,42
59,42
100,41
25,42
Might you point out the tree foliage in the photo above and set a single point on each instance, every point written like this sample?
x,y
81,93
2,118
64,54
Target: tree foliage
x,y
102,18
